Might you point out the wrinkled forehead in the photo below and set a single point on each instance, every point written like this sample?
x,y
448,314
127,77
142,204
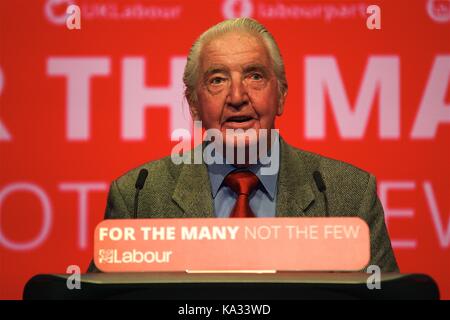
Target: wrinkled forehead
x,y
234,51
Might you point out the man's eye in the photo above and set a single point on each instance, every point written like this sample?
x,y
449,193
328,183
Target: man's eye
x,y
256,76
217,81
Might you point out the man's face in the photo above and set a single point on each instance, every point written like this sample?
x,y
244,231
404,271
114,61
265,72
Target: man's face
x,y
237,87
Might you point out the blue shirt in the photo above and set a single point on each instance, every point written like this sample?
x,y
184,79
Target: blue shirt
x,y
262,201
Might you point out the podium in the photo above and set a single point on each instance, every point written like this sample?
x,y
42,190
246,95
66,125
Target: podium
x,y
232,286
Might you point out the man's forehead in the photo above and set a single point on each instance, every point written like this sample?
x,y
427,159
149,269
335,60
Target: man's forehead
x,y
234,50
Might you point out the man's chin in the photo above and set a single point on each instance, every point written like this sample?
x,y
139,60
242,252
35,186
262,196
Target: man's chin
x,y
244,149
238,141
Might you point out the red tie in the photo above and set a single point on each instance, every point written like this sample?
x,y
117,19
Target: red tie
x,y
242,183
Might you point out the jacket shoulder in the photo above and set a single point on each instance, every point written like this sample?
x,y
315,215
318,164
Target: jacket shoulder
x,y
162,177
332,169
346,184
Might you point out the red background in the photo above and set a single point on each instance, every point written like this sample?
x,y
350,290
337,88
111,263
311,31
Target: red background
x,y
33,109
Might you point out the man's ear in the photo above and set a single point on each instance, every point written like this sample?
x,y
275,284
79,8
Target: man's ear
x,y
281,102
193,110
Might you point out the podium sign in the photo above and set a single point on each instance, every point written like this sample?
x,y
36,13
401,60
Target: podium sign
x,y
253,244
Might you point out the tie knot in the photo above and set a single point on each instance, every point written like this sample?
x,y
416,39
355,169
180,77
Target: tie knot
x,y
242,182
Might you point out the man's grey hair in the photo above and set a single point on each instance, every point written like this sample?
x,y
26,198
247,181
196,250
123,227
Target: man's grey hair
x,y
248,25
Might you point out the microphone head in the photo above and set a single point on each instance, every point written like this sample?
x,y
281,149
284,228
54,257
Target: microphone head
x,y
140,181
319,181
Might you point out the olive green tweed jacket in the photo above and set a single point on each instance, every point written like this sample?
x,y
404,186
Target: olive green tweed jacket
x,y
184,191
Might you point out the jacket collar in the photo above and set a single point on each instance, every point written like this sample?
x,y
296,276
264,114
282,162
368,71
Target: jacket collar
x,y
294,195
295,187
193,189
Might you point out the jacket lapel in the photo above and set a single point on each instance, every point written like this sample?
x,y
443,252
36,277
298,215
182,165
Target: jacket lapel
x,y
193,191
295,186
295,193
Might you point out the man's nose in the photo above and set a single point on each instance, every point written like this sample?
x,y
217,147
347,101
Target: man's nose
x,y
238,95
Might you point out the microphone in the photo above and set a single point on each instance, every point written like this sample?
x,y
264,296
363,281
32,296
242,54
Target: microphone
x,y
322,188
140,181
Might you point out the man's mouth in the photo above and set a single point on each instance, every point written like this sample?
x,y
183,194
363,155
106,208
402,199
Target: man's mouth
x,y
239,119
239,122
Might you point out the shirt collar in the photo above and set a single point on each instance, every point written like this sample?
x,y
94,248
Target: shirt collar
x,y
218,172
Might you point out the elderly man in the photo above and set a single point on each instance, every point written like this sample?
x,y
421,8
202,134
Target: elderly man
x,y
235,79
